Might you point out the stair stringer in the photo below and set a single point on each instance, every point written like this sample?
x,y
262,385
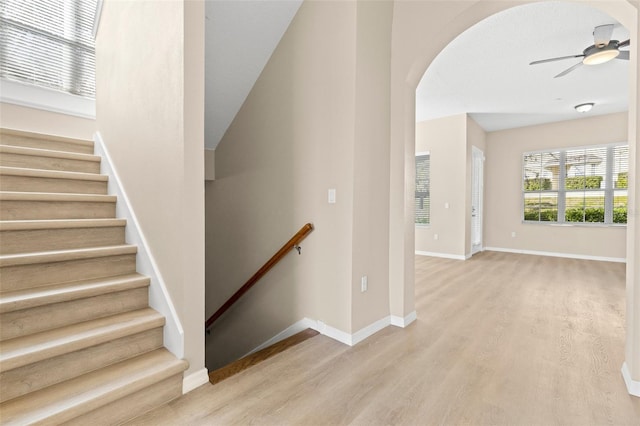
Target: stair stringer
x,y
159,298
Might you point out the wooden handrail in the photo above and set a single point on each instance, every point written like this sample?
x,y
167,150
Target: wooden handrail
x,y
292,243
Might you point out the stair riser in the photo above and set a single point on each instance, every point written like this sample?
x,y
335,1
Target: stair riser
x,y
21,277
133,405
38,375
42,210
16,140
48,163
38,184
46,317
60,239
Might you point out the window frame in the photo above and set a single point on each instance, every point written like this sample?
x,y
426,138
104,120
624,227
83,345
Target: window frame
x,y
609,189
423,154
74,63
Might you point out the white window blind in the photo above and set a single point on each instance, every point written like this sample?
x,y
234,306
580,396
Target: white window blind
x,y
422,197
585,185
49,43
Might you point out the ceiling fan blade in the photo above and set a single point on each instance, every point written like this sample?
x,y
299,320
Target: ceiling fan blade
x,y
602,35
623,55
625,43
568,70
556,59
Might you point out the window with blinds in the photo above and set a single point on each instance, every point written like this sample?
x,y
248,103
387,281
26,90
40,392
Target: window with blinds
x,y
584,185
49,43
422,199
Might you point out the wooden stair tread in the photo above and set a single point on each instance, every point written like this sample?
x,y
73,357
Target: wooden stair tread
x,y
65,255
23,225
64,401
36,347
248,361
45,137
38,296
79,342
55,196
39,152
51,174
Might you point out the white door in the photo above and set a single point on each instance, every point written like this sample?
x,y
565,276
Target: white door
x,y
477,193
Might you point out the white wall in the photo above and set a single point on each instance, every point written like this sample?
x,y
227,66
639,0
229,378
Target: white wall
x,y
291,141
150,108
446,140
316,119
503,191
28,119
450,141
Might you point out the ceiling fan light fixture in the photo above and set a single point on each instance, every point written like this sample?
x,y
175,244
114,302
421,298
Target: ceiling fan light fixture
x,y
584,107
596,56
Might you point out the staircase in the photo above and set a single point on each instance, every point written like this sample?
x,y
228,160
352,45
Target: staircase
x,y
78,341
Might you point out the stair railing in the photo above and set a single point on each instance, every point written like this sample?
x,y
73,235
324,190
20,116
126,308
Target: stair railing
x,y
293,243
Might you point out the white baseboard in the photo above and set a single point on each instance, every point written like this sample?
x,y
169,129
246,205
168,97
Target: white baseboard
x,y
363,333
337,334
443,255
633,386
370,330
553,254
159,298
332,332
403,322
195,380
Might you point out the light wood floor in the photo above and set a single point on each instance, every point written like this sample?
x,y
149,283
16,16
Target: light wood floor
x,y
500,339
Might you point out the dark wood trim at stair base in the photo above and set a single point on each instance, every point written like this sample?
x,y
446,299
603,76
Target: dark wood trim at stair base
x,y
262,355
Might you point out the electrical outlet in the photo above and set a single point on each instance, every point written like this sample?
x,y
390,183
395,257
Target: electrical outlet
x,y
435,236
364,284
513,234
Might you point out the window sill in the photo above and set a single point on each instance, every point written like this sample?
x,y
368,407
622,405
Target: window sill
x,y
578,224
13,92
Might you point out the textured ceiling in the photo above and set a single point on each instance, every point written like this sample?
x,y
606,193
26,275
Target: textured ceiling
x,y
485,71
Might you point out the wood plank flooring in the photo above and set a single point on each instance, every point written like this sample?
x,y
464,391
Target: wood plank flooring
x,y
500,339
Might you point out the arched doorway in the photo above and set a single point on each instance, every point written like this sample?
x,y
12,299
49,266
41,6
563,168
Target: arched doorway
x,y
420,31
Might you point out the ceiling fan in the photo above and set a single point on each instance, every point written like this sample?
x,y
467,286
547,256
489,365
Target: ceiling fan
x,y
602,50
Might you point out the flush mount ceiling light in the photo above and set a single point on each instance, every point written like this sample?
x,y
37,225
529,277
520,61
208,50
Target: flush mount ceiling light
x,y
584,107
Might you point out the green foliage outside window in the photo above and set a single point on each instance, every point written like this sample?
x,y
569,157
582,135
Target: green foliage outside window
x,y
537,184
583,182
623,180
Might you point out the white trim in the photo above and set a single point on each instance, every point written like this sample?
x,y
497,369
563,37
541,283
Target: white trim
x,y
553,254
13,92
403,322
363,333
195,380
96,19
334,333
303,324
370,330
159,297
633,386
443,255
